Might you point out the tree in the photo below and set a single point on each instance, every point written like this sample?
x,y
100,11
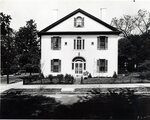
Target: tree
x,y
128,24
142,21
7,44
124,24
27,44
134,50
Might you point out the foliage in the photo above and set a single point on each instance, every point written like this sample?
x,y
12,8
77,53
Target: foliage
x,y
145,75
14,68
90,76
50,78
115,75
27,44
145,66
8,50
69,78
29,79
134,50
60,77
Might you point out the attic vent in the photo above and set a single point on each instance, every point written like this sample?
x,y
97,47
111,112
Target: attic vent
x,y
79,21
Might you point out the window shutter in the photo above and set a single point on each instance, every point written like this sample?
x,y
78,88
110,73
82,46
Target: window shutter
x,y
59,68
74,44
82,21
52,43
106,43
84,66
59,43
98,42
75,22
98,65
72,66
83,44
106,65
52,65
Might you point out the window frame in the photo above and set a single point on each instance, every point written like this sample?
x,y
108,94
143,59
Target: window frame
x,y
79,44
102,68
54,66
58,38
102,43
79,24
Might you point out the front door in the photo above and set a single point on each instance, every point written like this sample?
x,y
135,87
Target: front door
x,y
78,69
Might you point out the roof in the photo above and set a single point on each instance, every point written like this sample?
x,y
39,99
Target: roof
x,y
44,31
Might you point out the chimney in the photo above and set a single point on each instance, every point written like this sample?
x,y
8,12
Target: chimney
x,y
103,13
54,15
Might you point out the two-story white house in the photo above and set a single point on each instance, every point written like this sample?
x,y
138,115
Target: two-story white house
x,y
77,43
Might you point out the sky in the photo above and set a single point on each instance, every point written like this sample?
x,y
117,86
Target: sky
x,y
45,12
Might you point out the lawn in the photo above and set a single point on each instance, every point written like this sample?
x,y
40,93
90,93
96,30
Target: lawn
x,y
131,78
14,78
122,105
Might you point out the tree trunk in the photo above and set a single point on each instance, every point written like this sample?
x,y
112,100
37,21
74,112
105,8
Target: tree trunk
x,y
7,75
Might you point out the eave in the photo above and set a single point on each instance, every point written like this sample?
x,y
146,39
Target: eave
x,y
81,33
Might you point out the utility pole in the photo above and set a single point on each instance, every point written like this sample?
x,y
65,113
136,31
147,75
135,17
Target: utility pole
x,y
101,10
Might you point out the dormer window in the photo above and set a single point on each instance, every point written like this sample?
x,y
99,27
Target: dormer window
x,y
79,21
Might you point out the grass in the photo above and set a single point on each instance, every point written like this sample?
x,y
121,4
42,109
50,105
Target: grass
x,y
131,78
14,78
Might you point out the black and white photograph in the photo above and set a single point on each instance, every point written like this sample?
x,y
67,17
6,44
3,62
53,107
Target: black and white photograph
x,y
75,59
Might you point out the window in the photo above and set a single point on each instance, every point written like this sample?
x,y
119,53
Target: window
x,y
92,43
102,65
79,21
79,43
55,65
56,43
65,43
102,43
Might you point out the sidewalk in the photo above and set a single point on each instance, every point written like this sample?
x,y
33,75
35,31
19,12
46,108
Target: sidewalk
x,y
19,85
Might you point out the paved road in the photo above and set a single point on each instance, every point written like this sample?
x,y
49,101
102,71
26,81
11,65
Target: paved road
x,y
19,85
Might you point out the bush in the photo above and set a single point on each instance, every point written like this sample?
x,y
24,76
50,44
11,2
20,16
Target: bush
x,y
60,78
30,78
14,69
115,75
69,79
145,75
90,76
50,78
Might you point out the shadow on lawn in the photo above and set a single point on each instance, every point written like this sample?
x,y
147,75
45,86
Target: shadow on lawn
x,y
112,105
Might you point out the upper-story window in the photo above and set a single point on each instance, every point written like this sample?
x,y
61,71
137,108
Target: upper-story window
x,y
55,43
102,42
79,21
79,43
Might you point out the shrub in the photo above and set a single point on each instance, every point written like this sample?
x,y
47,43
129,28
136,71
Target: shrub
x,y
69,79
14,69
90,76
60,78
115,75
29,79
50,78
145,75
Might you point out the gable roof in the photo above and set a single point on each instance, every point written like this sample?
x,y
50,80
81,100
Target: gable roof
x,y
73,13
